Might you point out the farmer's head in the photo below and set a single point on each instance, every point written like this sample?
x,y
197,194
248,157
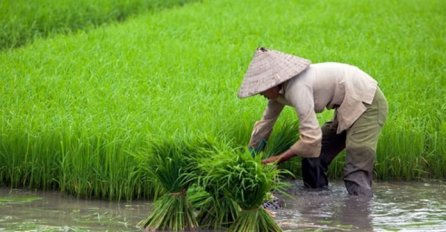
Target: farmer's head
x,y
271,93
268,70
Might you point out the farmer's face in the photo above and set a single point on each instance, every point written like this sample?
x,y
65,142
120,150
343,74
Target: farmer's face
x,y
271,93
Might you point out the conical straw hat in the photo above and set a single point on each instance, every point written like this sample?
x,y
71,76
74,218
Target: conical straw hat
x,y
270,68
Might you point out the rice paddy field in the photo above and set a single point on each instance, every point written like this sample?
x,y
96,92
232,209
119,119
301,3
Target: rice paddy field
x,y
23,21
80,110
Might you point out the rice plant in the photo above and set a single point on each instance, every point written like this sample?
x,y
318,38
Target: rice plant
x,y
174,164
247,182
172,211
215,210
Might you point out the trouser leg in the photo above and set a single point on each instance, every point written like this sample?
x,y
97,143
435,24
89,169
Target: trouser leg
x,y
361,142
314,169
313,174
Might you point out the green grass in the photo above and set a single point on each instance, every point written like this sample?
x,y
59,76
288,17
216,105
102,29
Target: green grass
x,y
77,110
22,21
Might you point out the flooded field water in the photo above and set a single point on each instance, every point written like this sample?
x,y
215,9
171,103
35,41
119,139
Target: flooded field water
x,y
396,206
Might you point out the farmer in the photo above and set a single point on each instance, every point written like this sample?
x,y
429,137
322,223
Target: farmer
x,y
360,111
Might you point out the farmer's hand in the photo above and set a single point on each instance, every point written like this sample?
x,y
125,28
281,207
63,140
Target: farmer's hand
x,y
272,159
286,155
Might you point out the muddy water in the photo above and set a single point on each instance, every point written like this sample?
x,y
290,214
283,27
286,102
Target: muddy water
x,y
396,206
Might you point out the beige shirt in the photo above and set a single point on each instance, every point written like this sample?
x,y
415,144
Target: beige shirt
x,y
322,86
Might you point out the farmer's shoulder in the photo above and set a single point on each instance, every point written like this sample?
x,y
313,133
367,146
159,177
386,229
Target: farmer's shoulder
x,y
331,65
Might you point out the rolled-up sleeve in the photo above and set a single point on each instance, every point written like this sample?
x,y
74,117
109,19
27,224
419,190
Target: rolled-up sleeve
x,y
263,128
310,133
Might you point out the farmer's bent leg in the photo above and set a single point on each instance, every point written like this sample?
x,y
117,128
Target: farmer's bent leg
x,y
361,143
314,169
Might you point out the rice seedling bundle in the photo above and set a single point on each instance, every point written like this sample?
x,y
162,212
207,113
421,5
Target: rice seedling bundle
x,y
174,164
246,181
215,210
169,164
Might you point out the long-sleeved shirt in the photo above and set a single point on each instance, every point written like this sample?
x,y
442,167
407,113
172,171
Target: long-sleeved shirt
x,y
330,85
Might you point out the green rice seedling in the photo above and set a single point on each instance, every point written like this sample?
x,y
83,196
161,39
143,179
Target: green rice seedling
x,y
218,212
174,164
284,135
171,211
215,211
246,181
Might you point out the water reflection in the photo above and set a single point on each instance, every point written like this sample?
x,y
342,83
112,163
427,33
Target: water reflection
x,y
53,211
356,211
331,209
396,206
414,206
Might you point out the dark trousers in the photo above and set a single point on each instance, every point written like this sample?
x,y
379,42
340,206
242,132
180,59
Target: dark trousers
x,y
360,142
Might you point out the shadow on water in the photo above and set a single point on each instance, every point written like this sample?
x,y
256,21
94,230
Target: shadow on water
x,y
396,206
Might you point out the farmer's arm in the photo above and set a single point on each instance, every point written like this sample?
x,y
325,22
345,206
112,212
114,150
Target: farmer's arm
x,y
263,128
310,134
